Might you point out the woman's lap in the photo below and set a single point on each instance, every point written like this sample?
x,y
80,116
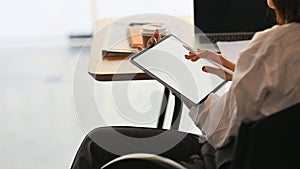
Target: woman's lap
x,y
106,143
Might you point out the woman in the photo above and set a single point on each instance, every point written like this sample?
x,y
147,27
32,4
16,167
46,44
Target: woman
x,y
265,80
262,76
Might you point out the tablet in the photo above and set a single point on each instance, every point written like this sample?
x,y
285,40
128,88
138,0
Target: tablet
x,y
165,62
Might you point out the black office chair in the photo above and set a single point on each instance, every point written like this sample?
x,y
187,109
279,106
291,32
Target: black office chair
x,y
270,143
273,142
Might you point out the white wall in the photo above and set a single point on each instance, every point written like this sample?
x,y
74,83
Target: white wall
x,y
37,19
43,18
121,8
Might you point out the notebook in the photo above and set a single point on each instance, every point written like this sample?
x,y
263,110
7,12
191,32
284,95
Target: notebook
x,y
231,20
166,63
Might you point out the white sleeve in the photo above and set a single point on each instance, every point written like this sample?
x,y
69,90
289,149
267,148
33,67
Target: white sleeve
x,y
212,118
219,118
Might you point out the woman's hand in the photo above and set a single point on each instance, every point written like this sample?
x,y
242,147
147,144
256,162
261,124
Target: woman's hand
x,y
216,58
153,40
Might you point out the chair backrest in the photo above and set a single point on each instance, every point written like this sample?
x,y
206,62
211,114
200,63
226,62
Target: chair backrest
x,y
273,142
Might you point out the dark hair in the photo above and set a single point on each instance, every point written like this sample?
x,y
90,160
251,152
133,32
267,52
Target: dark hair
x,y
287,11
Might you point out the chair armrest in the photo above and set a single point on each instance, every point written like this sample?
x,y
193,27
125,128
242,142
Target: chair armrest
x,y
142,160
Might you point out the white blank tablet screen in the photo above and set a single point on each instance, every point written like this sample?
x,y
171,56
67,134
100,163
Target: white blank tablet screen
x,y
167,63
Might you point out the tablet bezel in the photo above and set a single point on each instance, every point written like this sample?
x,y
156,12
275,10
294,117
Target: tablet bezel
x,y
177,93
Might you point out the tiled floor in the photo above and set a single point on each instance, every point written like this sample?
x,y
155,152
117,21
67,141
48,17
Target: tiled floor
x,y
39,125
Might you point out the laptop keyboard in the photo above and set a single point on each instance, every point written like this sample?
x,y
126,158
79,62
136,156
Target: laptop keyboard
x,y
227,37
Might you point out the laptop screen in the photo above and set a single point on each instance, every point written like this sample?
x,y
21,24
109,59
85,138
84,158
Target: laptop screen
x,y
225,16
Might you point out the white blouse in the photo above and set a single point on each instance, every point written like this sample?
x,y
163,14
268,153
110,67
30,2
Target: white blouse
x,y
266,80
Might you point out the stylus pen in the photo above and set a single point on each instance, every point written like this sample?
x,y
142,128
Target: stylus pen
x,y
225,69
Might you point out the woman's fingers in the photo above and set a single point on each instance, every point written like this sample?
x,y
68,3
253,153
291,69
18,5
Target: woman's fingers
x,y
217,72
195,58
151,41
157,35
209,55
190,55
140,48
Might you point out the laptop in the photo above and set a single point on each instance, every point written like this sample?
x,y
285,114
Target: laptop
x,y
231,20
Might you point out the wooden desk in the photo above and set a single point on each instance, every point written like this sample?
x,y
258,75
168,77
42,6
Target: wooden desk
x,y
118,68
